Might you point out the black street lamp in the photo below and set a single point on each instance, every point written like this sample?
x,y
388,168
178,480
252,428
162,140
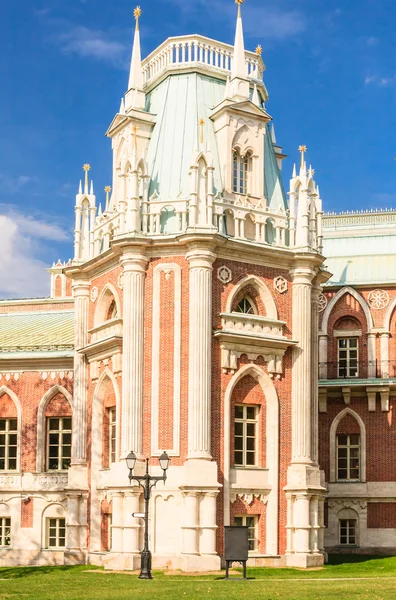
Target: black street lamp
x,y
147,482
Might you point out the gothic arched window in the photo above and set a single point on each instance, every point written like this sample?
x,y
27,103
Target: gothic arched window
x,y
112,313
245,306
240,172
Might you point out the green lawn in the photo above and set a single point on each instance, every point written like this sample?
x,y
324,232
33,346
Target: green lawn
x,y
345,578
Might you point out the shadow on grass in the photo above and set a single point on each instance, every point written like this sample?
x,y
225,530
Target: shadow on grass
x,y
347,559
18,572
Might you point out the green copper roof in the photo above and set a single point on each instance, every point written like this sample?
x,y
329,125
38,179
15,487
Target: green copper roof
x,y
179,102
49,331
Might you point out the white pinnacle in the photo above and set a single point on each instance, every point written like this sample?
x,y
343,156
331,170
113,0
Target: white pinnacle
x,y
136,74
239,68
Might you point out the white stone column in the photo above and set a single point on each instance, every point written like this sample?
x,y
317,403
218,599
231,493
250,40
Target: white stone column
x,y
385,366
130,524
200,352
190,527
316,290
315,527
302,523
323,358
117,522
372,355
207,522
302,364
73,523
80,393
134,265
321,524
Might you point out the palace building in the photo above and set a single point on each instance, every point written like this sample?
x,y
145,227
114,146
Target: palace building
x,y
197,316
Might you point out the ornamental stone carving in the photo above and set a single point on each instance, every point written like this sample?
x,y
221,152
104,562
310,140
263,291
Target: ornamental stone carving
x,y
224,275
378,299
322,302
280,284
121,281
94,294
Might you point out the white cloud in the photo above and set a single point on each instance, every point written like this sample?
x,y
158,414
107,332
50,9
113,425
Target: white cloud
x,y
92,43
12,185
380,81
372,41
22,271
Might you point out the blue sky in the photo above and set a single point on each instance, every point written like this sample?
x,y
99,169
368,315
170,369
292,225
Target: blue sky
x,y
331,76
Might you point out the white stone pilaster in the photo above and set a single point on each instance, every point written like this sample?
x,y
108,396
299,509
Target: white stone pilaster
x,y
134,265
131,525
190,527
200,352
371,353
80,394
385,366
207,522
117,522
323,358
316,290
302,363
73,522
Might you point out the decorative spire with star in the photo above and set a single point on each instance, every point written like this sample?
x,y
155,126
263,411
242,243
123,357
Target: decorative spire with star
x,y
135,97
239,68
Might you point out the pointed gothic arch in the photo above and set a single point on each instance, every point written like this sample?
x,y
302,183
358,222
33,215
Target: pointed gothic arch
x,y
4,390
96,444
272,448
333,443
261,287
45,400
347,290
106,296
389,314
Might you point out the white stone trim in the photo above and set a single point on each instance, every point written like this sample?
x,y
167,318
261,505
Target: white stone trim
x,y
333,444
96,460
344,333
272,454
347,290
99,317
5,390
40,443
156,366
265,295
388,314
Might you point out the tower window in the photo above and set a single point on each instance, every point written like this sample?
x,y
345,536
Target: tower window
x,y
5,531
348,357
59,443
240,173
245,434
56,533
348,457
8,444
245,307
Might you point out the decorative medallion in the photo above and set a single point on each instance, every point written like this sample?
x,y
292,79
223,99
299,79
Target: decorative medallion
x,y
378,299
280,285
224,274
94,294
322,302
121,281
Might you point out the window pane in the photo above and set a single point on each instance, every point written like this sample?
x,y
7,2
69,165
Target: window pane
x,y
13,425
250,458
342,452
238,521
342,440
250,444
2,425
238,428
342,474
250,412
353,342
238,443
53,439
53,424
238,458
12,452
355,439
251,429
67,439
342,343
53,464
239,412
67,423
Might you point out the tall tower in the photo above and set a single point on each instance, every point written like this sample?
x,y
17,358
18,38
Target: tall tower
x,y
196,310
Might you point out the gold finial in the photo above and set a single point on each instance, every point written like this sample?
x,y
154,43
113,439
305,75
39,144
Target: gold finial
x,y
86,168
311,172
137,13
201,130
239,2
303,150
259,50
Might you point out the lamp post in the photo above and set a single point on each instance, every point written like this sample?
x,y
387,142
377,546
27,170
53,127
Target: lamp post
x,y
147,482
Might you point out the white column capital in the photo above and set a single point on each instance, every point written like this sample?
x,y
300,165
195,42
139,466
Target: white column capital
x,y
200,258
134,261
302,275
81,288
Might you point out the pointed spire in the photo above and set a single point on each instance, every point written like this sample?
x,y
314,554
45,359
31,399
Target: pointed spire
x,y
122,107
100,210
136,73
239,68
273,136
107,190
80,188
91,191
294,171
86,168
256,97
303,150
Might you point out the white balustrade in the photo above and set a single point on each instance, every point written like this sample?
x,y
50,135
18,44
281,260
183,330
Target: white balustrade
x,y
106,330
186,50
251,325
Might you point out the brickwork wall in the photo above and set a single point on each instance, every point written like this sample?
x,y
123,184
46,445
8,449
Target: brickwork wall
x,y
381,515
380,436
8,410
167,345
27,512
221,380
30,388
44,306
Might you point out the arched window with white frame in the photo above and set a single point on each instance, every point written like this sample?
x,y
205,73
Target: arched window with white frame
x,y
240,172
